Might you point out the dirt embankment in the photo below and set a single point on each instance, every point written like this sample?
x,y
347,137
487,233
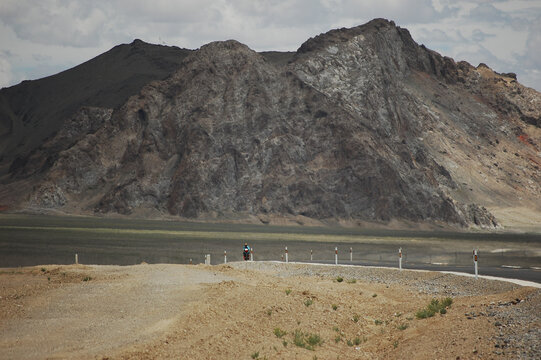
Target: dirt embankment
x,y
260,310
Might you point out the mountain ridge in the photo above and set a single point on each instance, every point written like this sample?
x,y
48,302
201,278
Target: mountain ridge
x,y
358,125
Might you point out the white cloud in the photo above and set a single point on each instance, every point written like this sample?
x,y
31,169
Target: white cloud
x,y
6,76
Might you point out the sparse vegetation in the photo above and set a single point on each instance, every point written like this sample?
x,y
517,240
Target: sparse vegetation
x,y
378,322
284,343
269,312
337,339
374,295
308,302
435,306
352,281
255,355
335,328
357,341
87,278
339,279
306,341
402,326
334,306
349,342
288,291
43,270
395,344
356,318
279,332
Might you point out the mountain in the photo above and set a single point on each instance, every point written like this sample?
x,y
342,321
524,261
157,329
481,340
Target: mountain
x,y
359,124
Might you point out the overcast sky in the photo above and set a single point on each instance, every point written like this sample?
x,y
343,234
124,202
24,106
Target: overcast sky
x,y
42,37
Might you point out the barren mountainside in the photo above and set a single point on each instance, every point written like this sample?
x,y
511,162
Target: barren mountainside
x,y
360,124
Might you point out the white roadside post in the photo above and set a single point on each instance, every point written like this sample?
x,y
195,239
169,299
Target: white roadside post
x,y
475,263
336,256
76,259
400,258
287,258
191,262
225,256
311,255
252,253
351,254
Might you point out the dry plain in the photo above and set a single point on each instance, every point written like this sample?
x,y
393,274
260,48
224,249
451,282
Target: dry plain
x,y
260,310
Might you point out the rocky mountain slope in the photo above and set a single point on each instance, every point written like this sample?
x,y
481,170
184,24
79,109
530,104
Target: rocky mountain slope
x,y
359,124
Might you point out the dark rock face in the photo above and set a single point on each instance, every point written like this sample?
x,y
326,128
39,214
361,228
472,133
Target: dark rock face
x,y
359,124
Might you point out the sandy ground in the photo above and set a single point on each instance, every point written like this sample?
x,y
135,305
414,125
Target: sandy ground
x,y
253,310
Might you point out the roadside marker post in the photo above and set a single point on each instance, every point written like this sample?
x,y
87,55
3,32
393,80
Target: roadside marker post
x,y
336,256
252,253
287,257
311,255
225,256
76,259
351,254
475,264
191,262
400,258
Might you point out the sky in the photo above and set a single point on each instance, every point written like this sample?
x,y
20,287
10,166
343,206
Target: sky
x,y
43,37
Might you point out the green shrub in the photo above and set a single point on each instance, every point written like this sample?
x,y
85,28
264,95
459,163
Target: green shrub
x,y
339,279
288,291
435,306
357,341
356,318
306,341
402,327
255,355
308,302
279,332
334,306
378,322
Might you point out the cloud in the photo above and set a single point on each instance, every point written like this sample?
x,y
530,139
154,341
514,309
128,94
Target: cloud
x,y
6,76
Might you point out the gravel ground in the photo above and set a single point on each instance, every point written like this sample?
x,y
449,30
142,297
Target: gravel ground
x,y
425,282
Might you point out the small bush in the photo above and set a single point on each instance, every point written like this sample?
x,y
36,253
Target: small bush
x,y
308,302
334,306
435,306
279,332
337,339
269,312
356,318
349,342
335,328
43,270
255,355
402,327
352,281
378,322
357,341
306,341
288,291
284,343
374,295
339,279
87,278
314,339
